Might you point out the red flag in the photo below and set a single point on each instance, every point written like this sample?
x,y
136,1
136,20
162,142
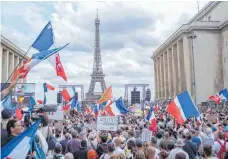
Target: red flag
x,y
65,95
67,107
20,70
40,101
50,87
59,67
19,114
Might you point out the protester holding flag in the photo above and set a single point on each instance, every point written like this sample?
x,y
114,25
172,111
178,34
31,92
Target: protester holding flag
x,y
13,83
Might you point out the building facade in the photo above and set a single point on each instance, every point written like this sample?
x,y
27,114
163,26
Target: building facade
x,y
195,57
10,56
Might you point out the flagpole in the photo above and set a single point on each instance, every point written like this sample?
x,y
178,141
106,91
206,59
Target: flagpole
x,y
22,59
16,67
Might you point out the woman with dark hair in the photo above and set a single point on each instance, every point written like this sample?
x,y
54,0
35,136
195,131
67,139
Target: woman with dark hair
x,y
131,149
13,128
207,151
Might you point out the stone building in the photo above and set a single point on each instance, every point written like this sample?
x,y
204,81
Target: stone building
x,y
10,56
195,57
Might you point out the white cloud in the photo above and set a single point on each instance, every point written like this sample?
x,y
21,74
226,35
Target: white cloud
x,y
130,32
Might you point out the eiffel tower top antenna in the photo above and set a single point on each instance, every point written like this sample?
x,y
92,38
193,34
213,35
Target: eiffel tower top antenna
x,y
97,13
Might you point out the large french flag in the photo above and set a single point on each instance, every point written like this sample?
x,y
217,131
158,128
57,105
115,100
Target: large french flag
x,y
221,95
96,110
152,120
182,108
88,110
116,108
18,147
48,87
35,59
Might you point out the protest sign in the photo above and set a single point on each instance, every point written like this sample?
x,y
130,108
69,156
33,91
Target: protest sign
x,y
58,115
91,126
212,118
107,123
146,135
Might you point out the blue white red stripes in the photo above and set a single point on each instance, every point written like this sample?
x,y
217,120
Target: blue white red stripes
x,y
182,108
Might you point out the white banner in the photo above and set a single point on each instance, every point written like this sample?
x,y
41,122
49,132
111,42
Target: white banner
x,y
107,123
58,115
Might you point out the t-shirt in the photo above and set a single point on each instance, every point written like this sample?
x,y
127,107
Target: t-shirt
x,y
196,140
216,146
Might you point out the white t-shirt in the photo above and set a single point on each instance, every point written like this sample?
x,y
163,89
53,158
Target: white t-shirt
x,y
216,146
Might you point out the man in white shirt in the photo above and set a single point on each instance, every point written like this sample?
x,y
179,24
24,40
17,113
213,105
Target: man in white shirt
x,y
217,144
118,149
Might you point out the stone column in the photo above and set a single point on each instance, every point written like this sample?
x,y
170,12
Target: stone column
x,y
161,78
1,68
165,74
182,66
187,63
155,79
5,65
178,69
168,73
174,70
158,77
11,63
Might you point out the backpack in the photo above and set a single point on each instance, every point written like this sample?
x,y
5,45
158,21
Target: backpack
x,y
222,150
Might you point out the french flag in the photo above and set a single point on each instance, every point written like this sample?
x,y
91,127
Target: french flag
x,y
182,108
116,108
218,97
156,108
48,87
35,60
19,146
152,120
88,110
96,110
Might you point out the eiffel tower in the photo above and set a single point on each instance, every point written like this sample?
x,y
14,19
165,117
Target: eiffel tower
x,y
97,75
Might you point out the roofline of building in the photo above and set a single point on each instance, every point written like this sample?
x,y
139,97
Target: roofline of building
x,y
199,15
207,8
185,28
12,46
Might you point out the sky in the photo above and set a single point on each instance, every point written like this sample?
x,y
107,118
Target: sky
x,y
129,34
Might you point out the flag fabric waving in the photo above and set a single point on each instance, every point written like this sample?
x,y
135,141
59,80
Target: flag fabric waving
x,y
46,88
152,120
7,102
45,39
40,101
182,108
59,67
67,107
88,110
107,95
35,59
156,108
66,95
96,110
116,108
19,146
221,95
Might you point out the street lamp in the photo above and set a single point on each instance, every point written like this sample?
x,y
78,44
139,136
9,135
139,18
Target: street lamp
x,y
192,37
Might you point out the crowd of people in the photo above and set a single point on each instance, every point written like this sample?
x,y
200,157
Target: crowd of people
x,y
73,138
